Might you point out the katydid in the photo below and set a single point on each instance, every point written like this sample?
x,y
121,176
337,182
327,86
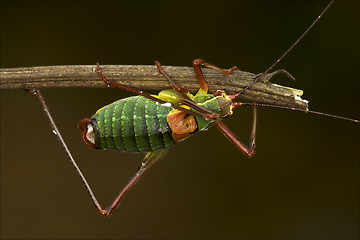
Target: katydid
x,y
152,123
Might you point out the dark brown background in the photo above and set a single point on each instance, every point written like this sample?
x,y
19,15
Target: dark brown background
x,y
302,183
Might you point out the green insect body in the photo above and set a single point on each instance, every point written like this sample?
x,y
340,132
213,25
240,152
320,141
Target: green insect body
x,y
138,124
134,124
152,123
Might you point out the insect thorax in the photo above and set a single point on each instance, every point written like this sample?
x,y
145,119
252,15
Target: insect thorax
x,y
219,104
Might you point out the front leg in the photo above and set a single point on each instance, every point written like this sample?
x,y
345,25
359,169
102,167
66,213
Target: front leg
x,y
198,63
248,151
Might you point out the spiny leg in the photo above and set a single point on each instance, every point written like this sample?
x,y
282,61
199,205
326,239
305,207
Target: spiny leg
x,y
63,144
237,142
253,130
175,86
149,161
98,70
186,98
201,113
198,63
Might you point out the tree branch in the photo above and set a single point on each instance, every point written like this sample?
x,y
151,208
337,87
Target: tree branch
x,y
147,77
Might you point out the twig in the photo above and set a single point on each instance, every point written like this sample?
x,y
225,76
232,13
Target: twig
x,y
147,77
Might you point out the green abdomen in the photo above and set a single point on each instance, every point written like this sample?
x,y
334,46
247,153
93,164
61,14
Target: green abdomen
x,y
134,124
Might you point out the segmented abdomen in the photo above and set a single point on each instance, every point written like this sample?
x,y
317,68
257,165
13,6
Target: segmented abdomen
x,y
134,124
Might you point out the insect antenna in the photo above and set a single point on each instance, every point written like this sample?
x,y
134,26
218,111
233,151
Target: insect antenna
x,y
285,53
237,104
258,78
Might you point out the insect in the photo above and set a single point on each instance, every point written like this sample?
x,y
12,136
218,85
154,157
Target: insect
x,y
178,113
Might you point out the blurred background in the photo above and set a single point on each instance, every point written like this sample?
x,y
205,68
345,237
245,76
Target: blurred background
x,y
303,181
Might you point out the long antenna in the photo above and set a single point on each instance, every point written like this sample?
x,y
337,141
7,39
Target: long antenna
x,y
285,53
237,104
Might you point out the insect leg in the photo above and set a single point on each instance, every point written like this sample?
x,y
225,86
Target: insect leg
x,y
150,159
98,70
237,142
198,63
175,86
63,144
187,100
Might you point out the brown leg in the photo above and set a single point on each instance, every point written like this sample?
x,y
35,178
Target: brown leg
x,y
198,63
187,100
149,161
205,114
175,86
63,144
109,83
237,142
